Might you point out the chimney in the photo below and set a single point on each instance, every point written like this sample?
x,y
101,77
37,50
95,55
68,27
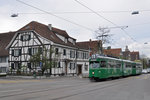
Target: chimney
x,y
50,26
126,48
90,40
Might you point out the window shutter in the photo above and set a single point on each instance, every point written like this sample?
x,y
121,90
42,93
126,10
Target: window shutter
x,y
30,51
70,66
19,65
12,66
74,54
59,65
29,37
74,66
21,37
77,54
70,54
40,50
20,52
64,53
12,52
29,65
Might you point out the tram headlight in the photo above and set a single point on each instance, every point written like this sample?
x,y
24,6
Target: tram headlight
x,y
93,73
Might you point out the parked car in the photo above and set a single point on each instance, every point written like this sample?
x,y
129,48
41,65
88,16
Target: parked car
x,y
148,70
144,71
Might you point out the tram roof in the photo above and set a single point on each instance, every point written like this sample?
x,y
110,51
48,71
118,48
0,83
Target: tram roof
x,y
105,57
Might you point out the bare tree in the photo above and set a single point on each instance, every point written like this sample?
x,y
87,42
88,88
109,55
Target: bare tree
x,y
103,37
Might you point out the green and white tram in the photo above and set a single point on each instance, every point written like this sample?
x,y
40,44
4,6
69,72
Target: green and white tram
x,y
102,67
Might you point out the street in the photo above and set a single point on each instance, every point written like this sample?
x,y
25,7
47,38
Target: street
x,y
75,88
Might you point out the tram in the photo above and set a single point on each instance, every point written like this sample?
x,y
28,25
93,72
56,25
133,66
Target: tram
x,y
102,67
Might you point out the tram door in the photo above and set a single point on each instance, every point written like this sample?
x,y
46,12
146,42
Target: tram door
x,y
79,70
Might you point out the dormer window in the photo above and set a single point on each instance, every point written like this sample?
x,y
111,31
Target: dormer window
x,y
72,41
25,37
65,40
56,51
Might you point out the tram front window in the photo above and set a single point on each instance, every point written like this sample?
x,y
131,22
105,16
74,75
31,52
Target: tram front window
x,y
94,64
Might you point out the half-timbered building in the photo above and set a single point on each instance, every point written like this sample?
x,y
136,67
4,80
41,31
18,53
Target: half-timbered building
x,y
27,41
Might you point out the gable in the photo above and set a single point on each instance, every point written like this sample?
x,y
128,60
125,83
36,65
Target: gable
x,y
27,38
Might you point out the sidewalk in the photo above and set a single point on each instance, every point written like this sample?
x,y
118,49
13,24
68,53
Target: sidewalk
x,y
38,77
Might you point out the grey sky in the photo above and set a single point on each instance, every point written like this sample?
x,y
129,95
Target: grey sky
x,y
138,24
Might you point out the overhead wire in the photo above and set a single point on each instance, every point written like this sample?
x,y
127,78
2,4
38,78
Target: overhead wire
x,y
55,15
104,18
72,21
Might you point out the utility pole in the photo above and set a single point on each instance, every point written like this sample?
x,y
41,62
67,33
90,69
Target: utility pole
x,y
101,43
102,36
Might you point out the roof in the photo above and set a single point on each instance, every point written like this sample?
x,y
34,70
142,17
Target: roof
x,y
113,52
5,38
88,44
134,53
41,29
44,31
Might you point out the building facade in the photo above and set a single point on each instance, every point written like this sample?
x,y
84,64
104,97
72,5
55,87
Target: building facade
x,y
115,52
5,38
133,56
34,37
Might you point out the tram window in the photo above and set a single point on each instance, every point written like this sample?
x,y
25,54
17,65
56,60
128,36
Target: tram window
x,y
118,65
110,64
94,64
134,66
103,63
128,66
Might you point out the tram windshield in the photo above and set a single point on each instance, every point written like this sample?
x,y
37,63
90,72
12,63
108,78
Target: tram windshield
x,y
94,64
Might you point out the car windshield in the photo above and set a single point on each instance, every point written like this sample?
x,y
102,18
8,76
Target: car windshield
x,y
94,64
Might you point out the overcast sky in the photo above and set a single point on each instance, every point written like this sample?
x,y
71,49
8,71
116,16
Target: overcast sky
x,y
116,11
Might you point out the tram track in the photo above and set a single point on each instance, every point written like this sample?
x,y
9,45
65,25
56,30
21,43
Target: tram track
x,y
72,87
91,90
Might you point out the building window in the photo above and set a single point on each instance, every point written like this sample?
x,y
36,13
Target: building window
x,y
33,51
29,65
16,52
79,55
86,67
64,52
25,37
17,65
72,54
3,59
72,66
56,50
82,54
3,69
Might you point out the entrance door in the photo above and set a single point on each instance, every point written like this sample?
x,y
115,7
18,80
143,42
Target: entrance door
x,y
79,69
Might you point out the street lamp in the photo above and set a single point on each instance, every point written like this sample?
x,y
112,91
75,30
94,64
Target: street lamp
x,y
135,12
145,43
14,15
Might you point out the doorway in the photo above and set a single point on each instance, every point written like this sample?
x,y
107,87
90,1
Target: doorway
x,y
79,71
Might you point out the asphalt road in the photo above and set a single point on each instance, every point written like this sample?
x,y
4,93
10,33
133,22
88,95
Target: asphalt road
x,y
75,88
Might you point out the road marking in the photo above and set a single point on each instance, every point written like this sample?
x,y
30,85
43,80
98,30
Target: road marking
x,y
11,90
146,77
137,77
17,81
8,81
